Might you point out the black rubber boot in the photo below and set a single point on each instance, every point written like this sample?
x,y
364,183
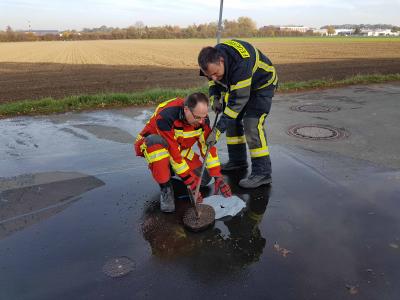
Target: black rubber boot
x,y
237,158
167,199
260,173
234,165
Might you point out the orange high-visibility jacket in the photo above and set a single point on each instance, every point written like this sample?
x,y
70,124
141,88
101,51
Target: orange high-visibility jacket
x,y
169,122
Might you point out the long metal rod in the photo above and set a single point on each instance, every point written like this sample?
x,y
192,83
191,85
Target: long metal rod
x,y
219,29
203,166
193,202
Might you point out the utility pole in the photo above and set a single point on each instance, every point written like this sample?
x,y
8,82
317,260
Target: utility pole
x,y
219,29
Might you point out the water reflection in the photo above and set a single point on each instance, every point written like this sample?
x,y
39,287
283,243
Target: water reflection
x,y
31,198
232,244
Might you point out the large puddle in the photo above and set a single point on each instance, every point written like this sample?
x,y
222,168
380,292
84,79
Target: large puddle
x,y
305,237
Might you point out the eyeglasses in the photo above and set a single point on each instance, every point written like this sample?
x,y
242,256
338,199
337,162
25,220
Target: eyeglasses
x,y
197,118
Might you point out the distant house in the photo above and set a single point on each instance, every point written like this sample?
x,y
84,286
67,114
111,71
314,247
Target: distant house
x,y
43,32
322,32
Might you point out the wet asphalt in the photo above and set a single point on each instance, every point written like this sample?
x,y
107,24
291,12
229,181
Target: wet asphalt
x,y
74,199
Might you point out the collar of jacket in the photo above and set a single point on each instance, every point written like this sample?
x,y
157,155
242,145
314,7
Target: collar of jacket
x,y
182,113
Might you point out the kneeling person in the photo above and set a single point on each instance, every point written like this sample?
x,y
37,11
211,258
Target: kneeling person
x,y
166,142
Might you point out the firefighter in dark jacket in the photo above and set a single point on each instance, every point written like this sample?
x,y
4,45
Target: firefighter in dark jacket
x,y
242,82
167,141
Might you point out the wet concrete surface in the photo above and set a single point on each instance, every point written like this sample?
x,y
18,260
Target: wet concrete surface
x,y
73,197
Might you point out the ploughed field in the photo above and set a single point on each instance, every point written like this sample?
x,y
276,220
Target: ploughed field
x,y
34,70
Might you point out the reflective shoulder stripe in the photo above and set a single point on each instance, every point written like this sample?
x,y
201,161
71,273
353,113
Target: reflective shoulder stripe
x,y
241,84
161,105
273,80
255,67
230,112
211,83
239,47
266,66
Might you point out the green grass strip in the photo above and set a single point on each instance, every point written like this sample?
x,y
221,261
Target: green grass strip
x,y
154,96
331,83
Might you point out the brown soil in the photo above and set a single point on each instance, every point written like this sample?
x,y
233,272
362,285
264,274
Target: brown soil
x,y
19,81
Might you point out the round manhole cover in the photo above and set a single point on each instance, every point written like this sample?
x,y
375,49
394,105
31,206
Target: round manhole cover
x,y
315,108
118,266
317,132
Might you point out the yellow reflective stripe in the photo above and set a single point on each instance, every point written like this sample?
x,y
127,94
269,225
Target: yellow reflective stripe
x,y
266,67
263,150
234,140
188,153
212,162
202,141
187,134
241,84
211,100
179,168
274,80
154,155
226,98
211,83
139,137
256,217
258,152
216,164
255,67
261,130
162,104
229,112
239,47
260,64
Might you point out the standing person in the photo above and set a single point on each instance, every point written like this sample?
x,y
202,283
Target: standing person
x,y
167,140
242,82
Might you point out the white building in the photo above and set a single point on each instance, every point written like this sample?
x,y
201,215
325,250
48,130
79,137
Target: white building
x,y
380,32
294,28
322,32
344,31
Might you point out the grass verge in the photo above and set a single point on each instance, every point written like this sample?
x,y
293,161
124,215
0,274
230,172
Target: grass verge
x,y
154,96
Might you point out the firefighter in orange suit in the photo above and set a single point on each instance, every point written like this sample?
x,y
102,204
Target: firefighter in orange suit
x,y
167,140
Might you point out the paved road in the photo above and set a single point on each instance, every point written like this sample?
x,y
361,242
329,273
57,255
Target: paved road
x,y
73,197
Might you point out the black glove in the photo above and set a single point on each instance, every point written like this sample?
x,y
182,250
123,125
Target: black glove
x,y
216,105
213,137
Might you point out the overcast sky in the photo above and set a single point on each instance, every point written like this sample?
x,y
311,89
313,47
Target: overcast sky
x,y
77,14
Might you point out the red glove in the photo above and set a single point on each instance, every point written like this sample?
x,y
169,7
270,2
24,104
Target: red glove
x,y
191,180
221,186
199,198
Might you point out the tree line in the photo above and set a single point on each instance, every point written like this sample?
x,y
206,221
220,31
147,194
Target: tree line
x,y
243,27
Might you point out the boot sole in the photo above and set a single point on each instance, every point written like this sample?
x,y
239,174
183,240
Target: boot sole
x,y
167,210
234,169
254,187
